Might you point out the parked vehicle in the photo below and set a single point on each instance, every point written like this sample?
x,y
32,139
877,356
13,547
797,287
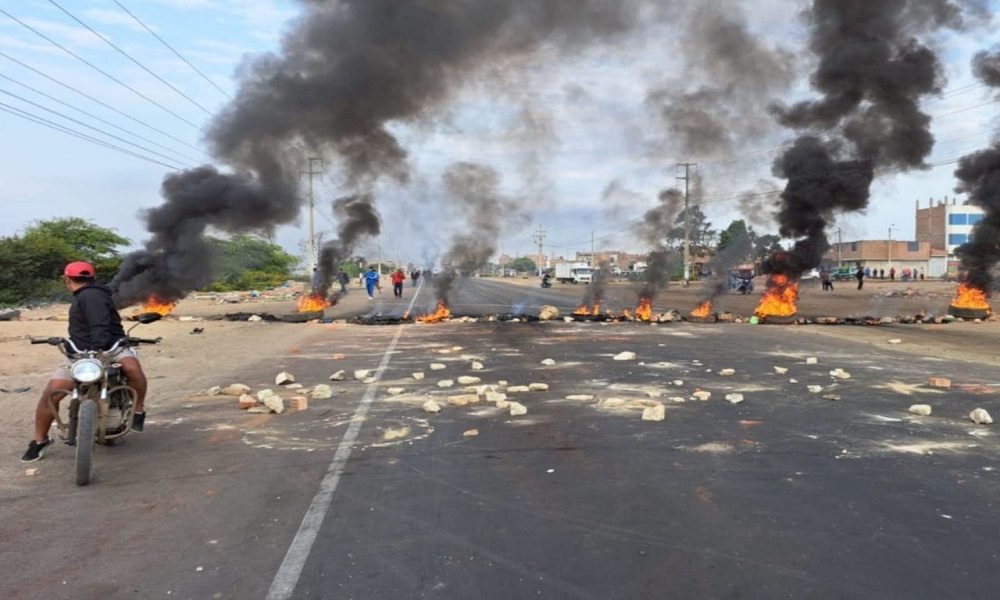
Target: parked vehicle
x,y
102,403
574,273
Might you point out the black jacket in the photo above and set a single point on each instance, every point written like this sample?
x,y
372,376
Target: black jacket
x,y
94,323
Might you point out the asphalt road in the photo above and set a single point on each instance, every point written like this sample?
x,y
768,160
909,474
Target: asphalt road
x,y
785,495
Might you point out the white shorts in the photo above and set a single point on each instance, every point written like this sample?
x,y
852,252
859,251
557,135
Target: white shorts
x,y
64,371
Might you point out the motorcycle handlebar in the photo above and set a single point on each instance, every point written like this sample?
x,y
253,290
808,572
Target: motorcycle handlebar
x,y
52,341
134,340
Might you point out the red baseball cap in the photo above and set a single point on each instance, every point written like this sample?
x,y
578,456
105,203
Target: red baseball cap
x,y
79,269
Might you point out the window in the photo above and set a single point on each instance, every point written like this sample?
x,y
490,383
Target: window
x,y
958,219
913,246
854,246
973,219
957,239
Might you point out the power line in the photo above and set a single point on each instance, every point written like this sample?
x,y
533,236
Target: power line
x,y
93,116
96,68
169,47
69,131
95,100
101,131
130,57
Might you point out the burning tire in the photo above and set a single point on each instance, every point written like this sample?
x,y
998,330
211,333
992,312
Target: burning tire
x,y
303,317
968,313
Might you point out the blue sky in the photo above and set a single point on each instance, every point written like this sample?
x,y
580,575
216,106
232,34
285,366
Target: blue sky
x,y
594,139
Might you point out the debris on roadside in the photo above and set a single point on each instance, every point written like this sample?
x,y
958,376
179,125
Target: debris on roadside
x,y
780,370
517,409
834,397
625,356
418,376
284,378
298,403
923,410
476,366
338,376
468,380
271,401
703,396
362,374
321,392
445,383
538,387
815,389
812,360
734,398
518,389
438,366
727,372
840,374
471,433
463,399
980,417
654,413
548,313
939,382
395,391
431,406
548,362
580,397
247,401
212,391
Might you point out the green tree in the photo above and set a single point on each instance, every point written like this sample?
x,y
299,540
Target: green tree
x,y
523,264
736,241
701,235
766,245
247,262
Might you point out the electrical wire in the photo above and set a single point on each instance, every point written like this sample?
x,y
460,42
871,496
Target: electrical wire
x,y
171,48
93,116
129,56
71,119
69,131
96,101
98,69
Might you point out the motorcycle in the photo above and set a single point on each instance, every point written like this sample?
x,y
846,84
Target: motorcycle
x,y
546,283
102,404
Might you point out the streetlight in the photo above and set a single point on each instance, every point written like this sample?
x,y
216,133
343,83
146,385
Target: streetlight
x,y
891,227
840,261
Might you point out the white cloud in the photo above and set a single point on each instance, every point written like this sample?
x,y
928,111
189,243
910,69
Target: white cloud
x,y
114,17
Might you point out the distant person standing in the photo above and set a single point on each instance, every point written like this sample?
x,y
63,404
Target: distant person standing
x,y
343,279
415,275
397,283
824,276
861,276
881,273
892,274
921,274
372,282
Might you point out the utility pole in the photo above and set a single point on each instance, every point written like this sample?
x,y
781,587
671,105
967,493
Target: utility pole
x,y
593,257
540,240
687,219
891,227
840,261
312,206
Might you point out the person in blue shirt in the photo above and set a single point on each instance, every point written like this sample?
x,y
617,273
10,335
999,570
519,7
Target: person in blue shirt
x,y
372,282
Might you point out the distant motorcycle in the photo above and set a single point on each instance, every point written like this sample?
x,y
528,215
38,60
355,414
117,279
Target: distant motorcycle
x,y
546,282
102,402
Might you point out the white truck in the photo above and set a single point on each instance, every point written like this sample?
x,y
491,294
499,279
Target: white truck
x,y
574,273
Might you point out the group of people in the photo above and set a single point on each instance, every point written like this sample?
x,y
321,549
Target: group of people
x,y
867,273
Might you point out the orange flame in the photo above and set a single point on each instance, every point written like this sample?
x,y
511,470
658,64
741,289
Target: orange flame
x,y
584,311
440,314
972,298
626,314
313,302
644,312
155,305
779,299
704,309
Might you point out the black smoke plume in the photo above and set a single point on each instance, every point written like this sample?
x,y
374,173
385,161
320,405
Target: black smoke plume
x,y
474,191
346,70
357,218
872,73
979,176
655,225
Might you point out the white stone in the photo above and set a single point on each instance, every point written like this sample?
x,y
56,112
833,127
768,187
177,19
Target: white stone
x,y
338,376
702,395
274,402
833,397
625,356
438,366
516,409
463,399
613,402
580,397
395,391
468,380
445,383
815,388
502,383
981,417
654,413
727,372
503,404
284,378
213,391
538,387
812,360
369,380
294,386
321,392
418,376
254,318
780,370
477,366
678,382
259,410
793,381
567,319
894,341
235,389
677,399
471,433
517,389
548,362
840,374
734,398
924,410
548,313
431,406
495,396
362,374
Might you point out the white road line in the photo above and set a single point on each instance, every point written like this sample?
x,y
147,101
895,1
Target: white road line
x,y
288,574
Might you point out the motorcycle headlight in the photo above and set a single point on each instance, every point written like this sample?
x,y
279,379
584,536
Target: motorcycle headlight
x,y
87,370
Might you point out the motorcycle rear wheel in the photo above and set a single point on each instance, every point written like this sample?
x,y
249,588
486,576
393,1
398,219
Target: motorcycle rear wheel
x,y
86,429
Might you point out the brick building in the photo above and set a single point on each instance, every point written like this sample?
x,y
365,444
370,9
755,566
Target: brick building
x,y
946,226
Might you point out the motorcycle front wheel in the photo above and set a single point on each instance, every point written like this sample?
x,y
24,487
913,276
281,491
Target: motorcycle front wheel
x,y
86,429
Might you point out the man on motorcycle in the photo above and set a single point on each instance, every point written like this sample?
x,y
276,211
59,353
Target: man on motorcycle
x,y
94,324
546,280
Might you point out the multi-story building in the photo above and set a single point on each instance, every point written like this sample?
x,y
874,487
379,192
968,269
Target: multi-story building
x,y
946,226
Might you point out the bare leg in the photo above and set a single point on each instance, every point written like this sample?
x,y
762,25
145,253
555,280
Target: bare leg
x,y
136,379
56,389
